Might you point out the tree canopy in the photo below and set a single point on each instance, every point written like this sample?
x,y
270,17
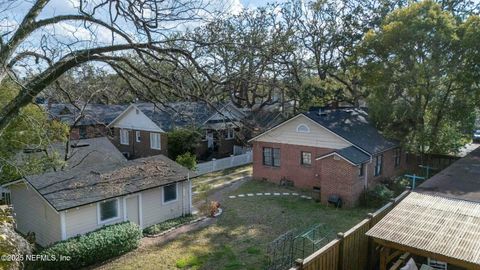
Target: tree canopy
x,y
419,69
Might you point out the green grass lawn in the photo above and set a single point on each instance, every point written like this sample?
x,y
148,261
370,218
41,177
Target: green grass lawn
x,y
239,238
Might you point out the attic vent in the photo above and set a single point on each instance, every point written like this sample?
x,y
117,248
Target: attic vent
x,y
302,128
335,157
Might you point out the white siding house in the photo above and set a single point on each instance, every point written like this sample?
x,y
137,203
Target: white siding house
x,y
48,207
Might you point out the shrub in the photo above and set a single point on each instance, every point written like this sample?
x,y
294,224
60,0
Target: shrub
x,y
94,247
181,141
187,160
166,225
376,197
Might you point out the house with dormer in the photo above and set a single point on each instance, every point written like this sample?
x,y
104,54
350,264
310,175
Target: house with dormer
x,y
336,152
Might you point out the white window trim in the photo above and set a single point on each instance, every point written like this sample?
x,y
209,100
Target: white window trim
x,y
159,140
99,221
137,136
304,126
230,135
124,140
163,195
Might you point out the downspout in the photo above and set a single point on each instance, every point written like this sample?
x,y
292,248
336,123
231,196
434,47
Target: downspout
x,y
365,185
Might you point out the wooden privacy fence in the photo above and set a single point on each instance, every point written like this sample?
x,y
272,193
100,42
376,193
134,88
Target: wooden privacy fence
x,y
352,250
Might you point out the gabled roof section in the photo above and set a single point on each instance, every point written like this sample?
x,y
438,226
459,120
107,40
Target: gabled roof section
x,y
352,124
351,154
177,114
134,118
81,186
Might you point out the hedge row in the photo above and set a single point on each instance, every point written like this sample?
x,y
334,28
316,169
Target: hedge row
x,y
168,224
94,247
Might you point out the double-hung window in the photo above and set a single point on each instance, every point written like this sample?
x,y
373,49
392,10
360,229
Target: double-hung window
x,y
155,141
306,158
170,193
271,156
229,134
137,136
108,210
397,155
124,134
378,165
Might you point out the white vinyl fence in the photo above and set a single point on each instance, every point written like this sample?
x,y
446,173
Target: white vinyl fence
x,y
224,163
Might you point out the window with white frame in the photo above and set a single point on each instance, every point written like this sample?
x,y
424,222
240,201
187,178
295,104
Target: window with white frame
x,y
378,165
302,128
170,193
108,210
124,136
137,136
155,141
229,134
306,158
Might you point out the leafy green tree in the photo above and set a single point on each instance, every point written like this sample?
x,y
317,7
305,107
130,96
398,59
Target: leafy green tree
x,y
187,160
181,141
30,129
416,67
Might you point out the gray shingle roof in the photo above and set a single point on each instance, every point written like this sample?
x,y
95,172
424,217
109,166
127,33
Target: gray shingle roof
x,y
352,124
177,114
81,186
353,154
93,113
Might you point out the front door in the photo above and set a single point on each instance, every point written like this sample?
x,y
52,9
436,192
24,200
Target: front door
x,y
133,210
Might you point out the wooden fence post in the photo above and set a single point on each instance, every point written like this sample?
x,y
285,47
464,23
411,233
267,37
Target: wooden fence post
x,y
370,246
340,237
299,264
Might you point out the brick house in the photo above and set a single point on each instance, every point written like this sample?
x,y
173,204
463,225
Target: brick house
x,y
141,129
333,152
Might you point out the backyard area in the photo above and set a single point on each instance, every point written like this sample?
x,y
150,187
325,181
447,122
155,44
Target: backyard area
x,y
238,239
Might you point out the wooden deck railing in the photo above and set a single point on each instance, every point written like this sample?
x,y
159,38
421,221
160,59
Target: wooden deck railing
x,y
352,250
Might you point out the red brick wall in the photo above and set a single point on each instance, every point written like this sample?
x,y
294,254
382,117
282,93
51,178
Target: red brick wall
x,y
340,178
290,167
334,176
389,170
142,148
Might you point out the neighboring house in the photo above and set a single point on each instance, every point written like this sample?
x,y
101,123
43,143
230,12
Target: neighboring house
x,y
93,121
335,152
59,205
438,223
141,129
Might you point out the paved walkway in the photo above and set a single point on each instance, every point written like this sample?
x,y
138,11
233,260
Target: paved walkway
x,y
269,194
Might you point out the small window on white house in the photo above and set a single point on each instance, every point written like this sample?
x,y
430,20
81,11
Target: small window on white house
x,y
155,141
108,210
137,136
229,134
302,128
170,193
124,136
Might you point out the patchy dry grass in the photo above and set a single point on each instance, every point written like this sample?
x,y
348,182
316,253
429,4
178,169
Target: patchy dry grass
x,y
239,238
